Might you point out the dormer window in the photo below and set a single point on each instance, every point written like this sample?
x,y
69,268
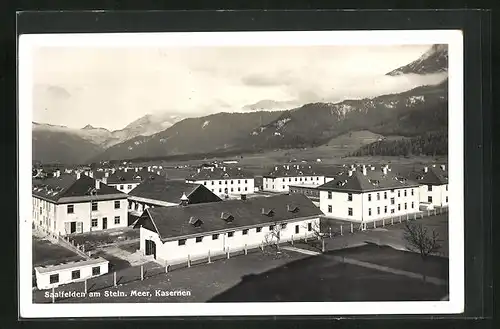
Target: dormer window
x,y
196,222
227,217
292,208
267,212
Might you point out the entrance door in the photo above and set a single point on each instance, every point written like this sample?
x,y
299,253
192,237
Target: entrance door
x,y
72,228
151,248
104,223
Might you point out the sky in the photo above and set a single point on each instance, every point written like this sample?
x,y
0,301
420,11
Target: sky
x,y
111,87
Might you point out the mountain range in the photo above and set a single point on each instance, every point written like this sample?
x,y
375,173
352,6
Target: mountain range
x,y
411,113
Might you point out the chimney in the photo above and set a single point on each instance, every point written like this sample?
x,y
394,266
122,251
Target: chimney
x,y
350,172
443,167
149,168
105,180
125,169
426,169
58,173
364,170
199,170
158,173
212,169
243,197
106,174
91,174
184,200
136,169
222,215
373,168
113,170
263,211
384,170
97,184
78,175
224,168
287,167
276,168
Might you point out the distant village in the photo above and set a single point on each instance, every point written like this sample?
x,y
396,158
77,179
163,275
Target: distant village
x,y
219,206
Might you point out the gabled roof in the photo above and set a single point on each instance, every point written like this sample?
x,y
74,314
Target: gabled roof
x,y
295,170
374,180
225,172
158,188
67,186
174,222
433,176
130,176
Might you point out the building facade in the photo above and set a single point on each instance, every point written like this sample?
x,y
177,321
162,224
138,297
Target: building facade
x,y
175,235
282,177
369,195
433,181
66,205
224,181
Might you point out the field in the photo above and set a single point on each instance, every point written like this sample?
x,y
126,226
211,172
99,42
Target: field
x,y
48,253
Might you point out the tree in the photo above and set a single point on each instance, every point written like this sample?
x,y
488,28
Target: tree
x,y
419,239
273,237
319,237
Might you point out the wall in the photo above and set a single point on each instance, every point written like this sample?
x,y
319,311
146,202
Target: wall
x,y
171,252
218,186
43,279
361,205
281,184
438,193
44,213
82,213
125,188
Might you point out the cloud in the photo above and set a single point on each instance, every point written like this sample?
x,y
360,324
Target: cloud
x,y
267,79
271,105
58,92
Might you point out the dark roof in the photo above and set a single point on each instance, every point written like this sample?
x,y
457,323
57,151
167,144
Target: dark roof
x,y
130,176
294,170
158,188
225,172
375,180
433,176
173,222
65,186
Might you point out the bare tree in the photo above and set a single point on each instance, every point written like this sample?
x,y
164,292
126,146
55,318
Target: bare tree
x,y
419,239
273,237
318,240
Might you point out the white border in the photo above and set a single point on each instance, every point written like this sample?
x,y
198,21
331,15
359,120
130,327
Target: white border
x,y
453,38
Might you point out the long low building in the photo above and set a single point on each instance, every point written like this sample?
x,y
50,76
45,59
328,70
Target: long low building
x,y
224,181
433,181
66,204
282,177
366,194
174,234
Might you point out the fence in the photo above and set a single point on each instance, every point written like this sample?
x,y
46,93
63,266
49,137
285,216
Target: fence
x,y
341,229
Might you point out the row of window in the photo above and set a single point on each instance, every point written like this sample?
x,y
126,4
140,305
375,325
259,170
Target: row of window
x,y
350,210
75,275
225,182
122,187
95,206
94,222
349,195
300,179
198,239
227,190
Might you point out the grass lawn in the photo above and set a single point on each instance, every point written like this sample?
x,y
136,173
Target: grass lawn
x,y
93,240
47,253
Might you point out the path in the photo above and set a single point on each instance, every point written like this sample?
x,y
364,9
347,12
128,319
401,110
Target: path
x,y
381,268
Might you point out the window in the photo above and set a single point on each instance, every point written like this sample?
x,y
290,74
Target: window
x,y
246,181
245,188
406,206
446,198
295,178
369,211
75,275
245,232
70,209
220,183
96,270
369,197
117,220
94,222
309,227
385,210
181,242
54,278
392,191
329,208
239,189
136,206
215,236
317,178
271,227
129,187
329,195
205,183
399,193
412,205
349,211
429,199
283,226
225,182
121,187
392,201
117,204
349,197
446,187
301,179
392,211
385,195
378,210
199,239
231,189
412,193
429,188
94,206
230,234
231,182
399,206
296,229
220,190
283,187
258,229
238,181
405,193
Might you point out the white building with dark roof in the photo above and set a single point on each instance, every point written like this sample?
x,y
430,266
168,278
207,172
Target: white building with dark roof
x,y
433,181
282,177
224,181
66,204
366,194
175,234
